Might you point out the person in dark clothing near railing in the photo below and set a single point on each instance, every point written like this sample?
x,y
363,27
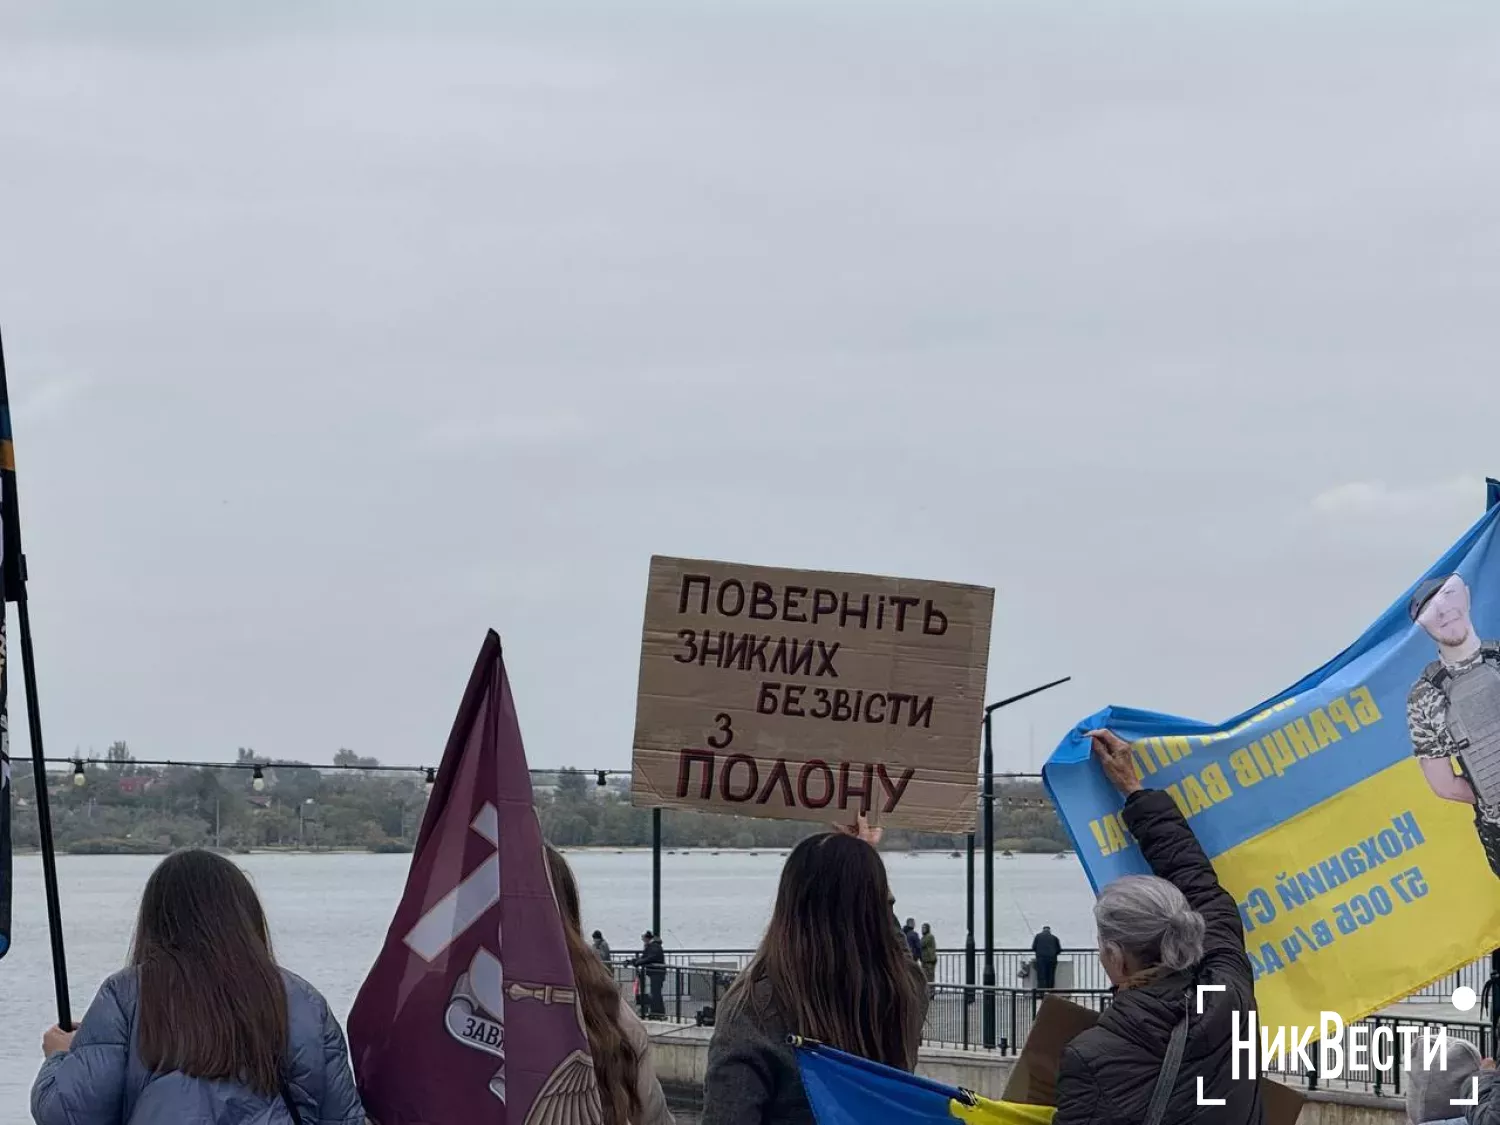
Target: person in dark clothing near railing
x,y
1046,948
913,940
652,965
1160,936
929,958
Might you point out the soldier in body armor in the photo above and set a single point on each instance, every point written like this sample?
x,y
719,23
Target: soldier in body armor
x,y
1453,711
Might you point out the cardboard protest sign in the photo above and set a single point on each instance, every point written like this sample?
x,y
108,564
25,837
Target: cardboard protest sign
x,y
808,695
1033,1079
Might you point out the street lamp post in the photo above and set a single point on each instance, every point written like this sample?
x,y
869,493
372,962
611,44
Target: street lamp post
x,y
969,942
989,855
656,872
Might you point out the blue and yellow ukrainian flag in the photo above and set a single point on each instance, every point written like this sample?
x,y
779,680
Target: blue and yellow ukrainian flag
x,y
1324,809
848,1090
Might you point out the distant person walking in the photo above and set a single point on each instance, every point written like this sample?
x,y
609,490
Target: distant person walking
x,y
1046,948
203,1026
929,956
913,941
653,965
601,947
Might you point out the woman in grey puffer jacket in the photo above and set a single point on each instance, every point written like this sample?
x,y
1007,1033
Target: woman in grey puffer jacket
x,y
203,1028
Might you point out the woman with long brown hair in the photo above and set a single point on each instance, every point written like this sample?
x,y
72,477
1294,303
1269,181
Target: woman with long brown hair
x,y
832,966
203,1025
629,1092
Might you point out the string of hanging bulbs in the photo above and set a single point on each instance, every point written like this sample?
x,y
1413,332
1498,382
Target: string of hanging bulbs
x,y
429,774
258,775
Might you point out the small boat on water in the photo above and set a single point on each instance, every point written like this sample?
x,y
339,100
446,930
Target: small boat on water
x,y
1008,855
1062,855
955,855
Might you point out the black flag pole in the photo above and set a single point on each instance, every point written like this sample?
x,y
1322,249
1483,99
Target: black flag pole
x,y
14,579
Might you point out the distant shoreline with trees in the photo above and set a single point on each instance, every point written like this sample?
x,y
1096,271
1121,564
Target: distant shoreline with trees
x,y
125,808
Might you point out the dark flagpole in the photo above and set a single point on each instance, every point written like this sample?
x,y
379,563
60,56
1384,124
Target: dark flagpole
x,y
15,590
988,1015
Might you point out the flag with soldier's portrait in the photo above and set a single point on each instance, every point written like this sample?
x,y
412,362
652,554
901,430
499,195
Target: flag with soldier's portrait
x,y
1355,817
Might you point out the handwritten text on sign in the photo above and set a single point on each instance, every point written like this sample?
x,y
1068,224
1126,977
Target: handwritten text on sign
x,y
811,696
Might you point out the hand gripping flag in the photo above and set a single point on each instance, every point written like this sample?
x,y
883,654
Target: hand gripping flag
x,y
1355,817
845,1089
476,945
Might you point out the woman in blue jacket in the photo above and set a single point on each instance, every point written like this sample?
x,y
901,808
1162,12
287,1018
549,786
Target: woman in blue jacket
x,y
203,1027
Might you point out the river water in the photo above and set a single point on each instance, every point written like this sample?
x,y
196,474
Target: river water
x,y
329,915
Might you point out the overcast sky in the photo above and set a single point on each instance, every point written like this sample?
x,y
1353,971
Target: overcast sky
x,y
340,332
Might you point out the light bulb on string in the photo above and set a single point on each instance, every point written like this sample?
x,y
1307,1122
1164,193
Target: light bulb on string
x,y
257,780
78,776
429,782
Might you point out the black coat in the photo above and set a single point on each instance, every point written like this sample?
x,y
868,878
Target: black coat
x,y
1046,947
752,1076
653,959
1108,1073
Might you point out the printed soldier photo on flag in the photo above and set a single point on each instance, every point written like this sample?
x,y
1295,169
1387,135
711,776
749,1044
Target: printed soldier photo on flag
x,y
1355,816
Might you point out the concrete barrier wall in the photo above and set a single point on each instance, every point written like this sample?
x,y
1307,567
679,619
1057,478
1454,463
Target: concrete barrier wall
x,y
681,1053
1336,1107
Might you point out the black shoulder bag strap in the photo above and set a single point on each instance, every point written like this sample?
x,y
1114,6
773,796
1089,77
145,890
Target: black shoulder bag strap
x,y
291,1106
1169,1068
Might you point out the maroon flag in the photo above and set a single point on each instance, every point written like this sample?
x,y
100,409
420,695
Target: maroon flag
x,y
476,948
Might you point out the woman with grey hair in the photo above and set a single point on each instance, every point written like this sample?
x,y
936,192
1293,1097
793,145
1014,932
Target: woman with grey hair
x,y
1432,1090
1161,936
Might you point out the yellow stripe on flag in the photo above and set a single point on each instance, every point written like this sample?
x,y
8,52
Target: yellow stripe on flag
x,y
1383,874
986,1112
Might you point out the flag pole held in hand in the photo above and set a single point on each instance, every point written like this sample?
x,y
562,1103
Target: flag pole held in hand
x,y
13,579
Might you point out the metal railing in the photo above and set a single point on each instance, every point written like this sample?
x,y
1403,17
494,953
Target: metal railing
x,y
690,993
686,989
694,982
1367,1076
955,1014
1078,969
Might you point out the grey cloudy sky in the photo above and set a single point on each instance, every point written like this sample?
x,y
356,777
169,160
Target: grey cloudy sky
x,y
340,332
